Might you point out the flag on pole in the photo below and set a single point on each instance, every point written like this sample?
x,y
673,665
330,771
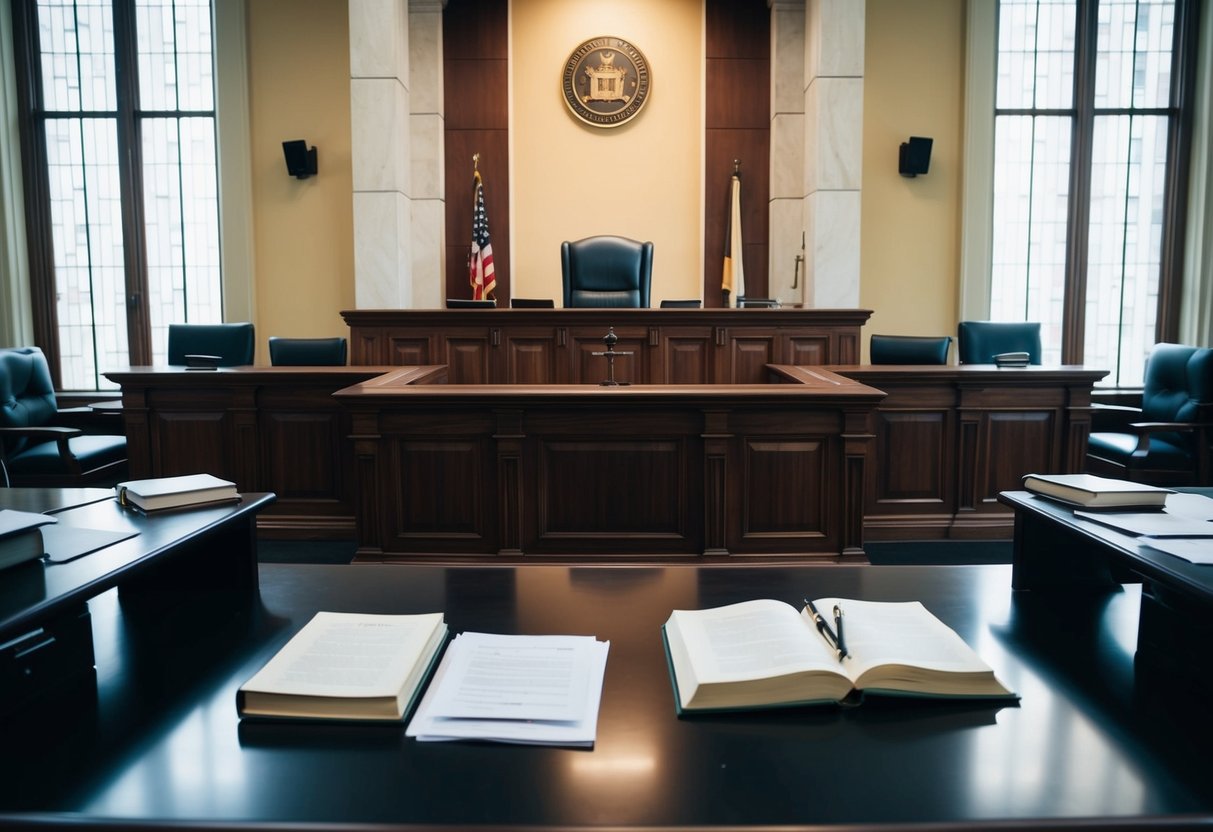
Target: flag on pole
x,y
480,262
733,281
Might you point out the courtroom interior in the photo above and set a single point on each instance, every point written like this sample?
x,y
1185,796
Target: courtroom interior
x,y
532,311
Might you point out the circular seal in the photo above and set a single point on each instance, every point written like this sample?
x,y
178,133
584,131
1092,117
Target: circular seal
x,y
606,81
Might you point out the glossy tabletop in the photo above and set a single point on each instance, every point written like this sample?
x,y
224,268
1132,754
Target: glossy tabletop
x,y
158,739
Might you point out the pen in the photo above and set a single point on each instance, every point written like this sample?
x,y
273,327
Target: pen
x,y
842,647
824,628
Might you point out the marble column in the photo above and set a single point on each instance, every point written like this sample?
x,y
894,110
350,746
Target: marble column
x,y
786,268
833,151
426,140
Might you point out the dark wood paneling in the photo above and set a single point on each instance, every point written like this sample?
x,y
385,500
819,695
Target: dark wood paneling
x,y
739,98
476,94
304,452
475,29
668,346
912,454
737,29
439,496
795,508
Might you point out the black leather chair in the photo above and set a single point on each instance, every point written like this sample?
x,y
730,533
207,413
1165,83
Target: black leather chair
x,y
1165,441
232,344
680,304
909,349
980,341
606,271
307,352
38,446
532,303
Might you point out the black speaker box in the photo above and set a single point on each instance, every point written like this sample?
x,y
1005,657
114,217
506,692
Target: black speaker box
x,y
300,159
915,156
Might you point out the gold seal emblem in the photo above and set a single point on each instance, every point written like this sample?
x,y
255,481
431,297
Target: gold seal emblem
x,y
606,81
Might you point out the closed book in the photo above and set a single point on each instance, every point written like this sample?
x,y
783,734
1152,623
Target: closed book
x,y
161,493
21,536
1092,492
766,654
347,666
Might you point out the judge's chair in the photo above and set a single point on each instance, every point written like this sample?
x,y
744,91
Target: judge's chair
x,y
307,352
909,349
980,341
231,344
606,271
39,445
1167,440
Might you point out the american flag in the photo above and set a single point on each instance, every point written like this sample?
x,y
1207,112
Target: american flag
x,y
480,261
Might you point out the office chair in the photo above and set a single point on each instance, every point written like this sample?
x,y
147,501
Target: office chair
x,y
233,344
980,341
468,303
909,349
532,303
680,304
37,447
307,352
606,271
1167,440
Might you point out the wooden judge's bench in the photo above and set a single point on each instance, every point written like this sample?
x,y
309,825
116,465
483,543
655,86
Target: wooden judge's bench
x,y
736,434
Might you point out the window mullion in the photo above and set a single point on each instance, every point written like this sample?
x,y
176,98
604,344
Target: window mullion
x,y
130,169
1078,232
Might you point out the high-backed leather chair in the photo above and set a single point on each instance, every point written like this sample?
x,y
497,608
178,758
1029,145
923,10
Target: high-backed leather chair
x,y
307,352
980,341
1165,441
232,343
909,349
606,271
37,446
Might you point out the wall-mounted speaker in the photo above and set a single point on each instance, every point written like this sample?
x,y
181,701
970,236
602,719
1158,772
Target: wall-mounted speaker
x,y
300,159
915,156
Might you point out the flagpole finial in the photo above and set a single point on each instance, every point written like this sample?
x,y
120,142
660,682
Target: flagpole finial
x,y
736,166
475,161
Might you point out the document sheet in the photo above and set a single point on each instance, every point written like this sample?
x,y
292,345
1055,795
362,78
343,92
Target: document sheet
x,y
522,689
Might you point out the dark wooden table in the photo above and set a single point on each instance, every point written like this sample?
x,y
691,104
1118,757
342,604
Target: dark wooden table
x,y
46,639
1058,554
158,744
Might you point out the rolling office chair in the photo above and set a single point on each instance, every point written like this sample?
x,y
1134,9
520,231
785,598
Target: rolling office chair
x,y
37,447
606,272
307,352
980,341
909,349
1167,440
233,344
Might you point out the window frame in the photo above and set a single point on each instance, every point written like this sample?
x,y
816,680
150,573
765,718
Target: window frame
x,y
978,196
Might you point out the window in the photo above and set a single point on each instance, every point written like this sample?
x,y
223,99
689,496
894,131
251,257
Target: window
x,y
1089,168
118,106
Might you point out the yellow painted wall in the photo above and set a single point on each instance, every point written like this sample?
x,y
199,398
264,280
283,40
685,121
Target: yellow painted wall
x,y
299,88
641,180
910,227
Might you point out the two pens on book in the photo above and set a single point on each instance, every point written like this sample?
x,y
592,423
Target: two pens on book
x,y
832,635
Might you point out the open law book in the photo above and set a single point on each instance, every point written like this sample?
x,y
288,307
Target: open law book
x,y
347,666
764,653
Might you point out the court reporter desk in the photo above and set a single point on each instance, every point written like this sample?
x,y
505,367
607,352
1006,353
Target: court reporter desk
x,y
158,744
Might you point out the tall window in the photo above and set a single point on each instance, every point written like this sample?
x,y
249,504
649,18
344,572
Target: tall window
x,y
1089,166
118,110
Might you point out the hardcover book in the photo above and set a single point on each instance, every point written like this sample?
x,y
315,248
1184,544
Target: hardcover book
x,y
765,654
1090,491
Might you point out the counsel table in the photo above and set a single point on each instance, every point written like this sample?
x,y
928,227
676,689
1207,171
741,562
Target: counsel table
x,y
163,746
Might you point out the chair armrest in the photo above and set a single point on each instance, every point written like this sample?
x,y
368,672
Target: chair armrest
x,y
1115,418
1145,429
47,433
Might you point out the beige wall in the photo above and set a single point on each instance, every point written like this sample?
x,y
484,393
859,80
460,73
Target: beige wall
x,y
299,88
641,180
913,72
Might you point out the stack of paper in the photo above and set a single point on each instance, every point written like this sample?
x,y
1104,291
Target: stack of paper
x,y
539,690
1182,529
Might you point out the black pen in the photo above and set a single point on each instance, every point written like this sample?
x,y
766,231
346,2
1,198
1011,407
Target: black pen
x,y
842,647
824,628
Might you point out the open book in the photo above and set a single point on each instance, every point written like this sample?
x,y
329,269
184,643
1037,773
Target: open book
x,y
347,666
761,654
